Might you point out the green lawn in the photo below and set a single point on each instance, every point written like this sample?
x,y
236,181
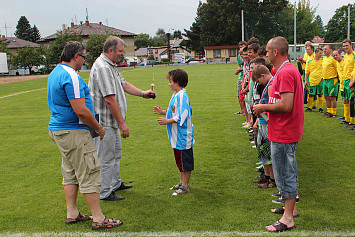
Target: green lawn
x,y
223,197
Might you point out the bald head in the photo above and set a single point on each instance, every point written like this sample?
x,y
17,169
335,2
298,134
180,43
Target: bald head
x,y
279,43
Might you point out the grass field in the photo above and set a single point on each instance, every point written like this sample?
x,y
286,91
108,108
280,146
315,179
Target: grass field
x,y
223,199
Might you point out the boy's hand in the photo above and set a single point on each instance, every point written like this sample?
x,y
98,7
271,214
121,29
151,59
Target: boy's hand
x,y
157,110
163,121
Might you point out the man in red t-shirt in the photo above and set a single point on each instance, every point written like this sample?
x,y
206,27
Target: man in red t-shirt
x,y
286,120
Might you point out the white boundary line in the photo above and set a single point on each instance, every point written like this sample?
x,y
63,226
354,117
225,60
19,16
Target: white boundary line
x,y
206,233
22,92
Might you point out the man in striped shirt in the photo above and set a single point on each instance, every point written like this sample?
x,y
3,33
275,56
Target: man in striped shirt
x,y
107,89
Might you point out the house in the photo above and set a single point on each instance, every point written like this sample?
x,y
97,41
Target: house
x,y
221,53
160,52
87,29
317,39
16,43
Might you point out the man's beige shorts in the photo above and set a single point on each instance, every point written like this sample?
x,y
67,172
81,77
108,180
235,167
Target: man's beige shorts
x,y
80,164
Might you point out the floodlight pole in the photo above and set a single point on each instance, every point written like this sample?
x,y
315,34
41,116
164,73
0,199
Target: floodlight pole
x,y
242,25
349,21
294,44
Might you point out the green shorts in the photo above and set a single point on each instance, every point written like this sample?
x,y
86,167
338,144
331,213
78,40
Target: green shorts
x,y
331,87
342,94
347,91
316,90
80,164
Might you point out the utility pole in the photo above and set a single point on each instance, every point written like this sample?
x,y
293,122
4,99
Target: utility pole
x,y
242,25
349,21
294,36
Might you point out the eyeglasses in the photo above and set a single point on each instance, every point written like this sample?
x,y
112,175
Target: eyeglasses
x,y
82,56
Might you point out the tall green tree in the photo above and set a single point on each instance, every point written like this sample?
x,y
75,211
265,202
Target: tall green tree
x,y
23,29
3,47
177,34
56,48
35,35
337,27
160,38
94,48
28,57
142,41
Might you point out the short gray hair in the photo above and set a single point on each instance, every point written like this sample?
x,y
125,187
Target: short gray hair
x,y
112,43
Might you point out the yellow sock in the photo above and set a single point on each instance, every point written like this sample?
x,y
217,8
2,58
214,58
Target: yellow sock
x,y
329,110
352,120
334,111
347,112
310,102
314,103
320,102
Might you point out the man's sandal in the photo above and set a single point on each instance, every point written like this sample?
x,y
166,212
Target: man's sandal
x,y
106,224
281,210
79,218
280,227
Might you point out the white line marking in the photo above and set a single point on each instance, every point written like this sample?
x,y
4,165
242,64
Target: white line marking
x,y
22,92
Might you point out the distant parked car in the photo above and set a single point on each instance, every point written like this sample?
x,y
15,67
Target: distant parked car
x,y
148,62
123,64
195,60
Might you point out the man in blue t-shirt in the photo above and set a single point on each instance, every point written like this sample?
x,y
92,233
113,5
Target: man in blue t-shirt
x,y
72,115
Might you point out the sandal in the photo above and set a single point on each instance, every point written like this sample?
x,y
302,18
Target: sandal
x,y
280,227
281,210
106,224
177,186
181,190
79,218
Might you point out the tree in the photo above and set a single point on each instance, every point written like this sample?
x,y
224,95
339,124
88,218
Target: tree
x,y
23,29
56,48
28,57
337,27
177,34
3,47
35,35
159,39
142,41
94,48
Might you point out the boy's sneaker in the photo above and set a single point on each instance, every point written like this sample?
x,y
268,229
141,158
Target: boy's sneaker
x,y
308,110
325,114
276,194
314,107
331,115
342,118
177,186
321,110
282,201
181,190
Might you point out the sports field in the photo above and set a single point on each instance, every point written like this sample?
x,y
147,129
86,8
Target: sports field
x,y
223,199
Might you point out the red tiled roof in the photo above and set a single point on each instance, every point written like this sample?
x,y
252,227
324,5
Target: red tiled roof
x,y
222,47
16,43
92,28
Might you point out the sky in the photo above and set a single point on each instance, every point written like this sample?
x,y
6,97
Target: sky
x,y
135,16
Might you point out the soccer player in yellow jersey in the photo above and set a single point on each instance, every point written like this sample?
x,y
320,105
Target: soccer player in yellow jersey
x,y
313,78
349,61
330,81
340,66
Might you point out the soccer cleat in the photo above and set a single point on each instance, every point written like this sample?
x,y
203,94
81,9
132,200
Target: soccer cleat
x,y
331,115
343,122
325,114
314,107
342,118
308,110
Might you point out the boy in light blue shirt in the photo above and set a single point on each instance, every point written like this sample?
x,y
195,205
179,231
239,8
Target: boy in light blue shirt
x,y
180,128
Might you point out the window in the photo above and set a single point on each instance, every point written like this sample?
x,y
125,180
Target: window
x,y
232,52
217,53
298,49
